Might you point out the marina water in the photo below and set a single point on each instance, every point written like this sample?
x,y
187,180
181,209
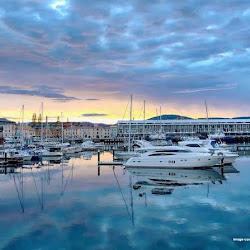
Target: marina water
x,y
74,205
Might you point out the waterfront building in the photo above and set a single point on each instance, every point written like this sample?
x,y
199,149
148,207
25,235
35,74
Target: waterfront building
x,y
98,132
187,127
1,136
26,132
9,130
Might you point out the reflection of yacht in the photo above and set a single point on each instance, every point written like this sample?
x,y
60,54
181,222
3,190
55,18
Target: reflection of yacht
x,y
209,146
228,169
53,159
52,152
87,155
11,154
8,170
72,149
91,146
173,157
163,181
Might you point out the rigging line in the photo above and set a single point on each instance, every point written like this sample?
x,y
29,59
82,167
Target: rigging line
x,y
38,196
122,195
125,111
20,201
141,111
68,179
131,202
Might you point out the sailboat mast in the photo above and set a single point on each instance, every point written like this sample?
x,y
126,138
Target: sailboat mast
x,y
46,131
41,123
22,125
62,125
207,117
130,121
160,121
71,126
144,117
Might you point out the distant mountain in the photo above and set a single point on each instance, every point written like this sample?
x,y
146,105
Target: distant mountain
x,y
242,117
170,117
179,117
212,118
5,121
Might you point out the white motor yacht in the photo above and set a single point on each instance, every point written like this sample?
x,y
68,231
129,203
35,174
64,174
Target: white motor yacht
x,y
174,157
207,146
52,152
91,146
72,149
10,154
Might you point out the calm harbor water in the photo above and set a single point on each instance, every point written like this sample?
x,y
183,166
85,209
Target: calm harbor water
x,y
69,206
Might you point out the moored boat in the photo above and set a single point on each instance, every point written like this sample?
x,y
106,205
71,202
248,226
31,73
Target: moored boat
x,y
174,157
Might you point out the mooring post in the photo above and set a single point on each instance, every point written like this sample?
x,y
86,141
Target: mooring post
x,y
222,171
98,170
98,156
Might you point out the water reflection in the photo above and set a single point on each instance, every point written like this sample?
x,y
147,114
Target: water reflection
x,y
164,181
66,199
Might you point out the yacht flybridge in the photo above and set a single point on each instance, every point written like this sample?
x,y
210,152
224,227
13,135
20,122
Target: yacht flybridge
x,y
174,157
209,146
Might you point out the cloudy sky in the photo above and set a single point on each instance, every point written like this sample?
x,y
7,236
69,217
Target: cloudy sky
x,y
86,57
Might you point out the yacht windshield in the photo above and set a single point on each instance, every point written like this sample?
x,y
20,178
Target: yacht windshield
x,y
193,145
173,151
214,144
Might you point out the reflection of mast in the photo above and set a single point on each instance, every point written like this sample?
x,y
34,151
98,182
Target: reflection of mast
x,y
122,195
131,200
62,180
42,191
66,183
40,198
18,194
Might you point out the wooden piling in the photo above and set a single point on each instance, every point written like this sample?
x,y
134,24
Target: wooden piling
x,y
98,156
222,171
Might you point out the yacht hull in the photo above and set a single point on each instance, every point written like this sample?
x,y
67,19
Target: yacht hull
x,y
52,154
171,162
